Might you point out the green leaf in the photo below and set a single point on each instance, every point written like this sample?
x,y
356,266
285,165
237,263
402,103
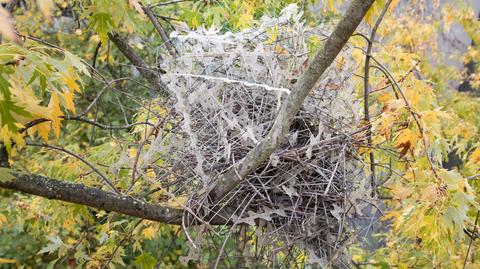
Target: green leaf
x,y
102,24
4,88
76,62
145,261
6,117
54,245
6,175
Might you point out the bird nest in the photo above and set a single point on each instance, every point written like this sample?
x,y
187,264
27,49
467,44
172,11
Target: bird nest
x,y
226,92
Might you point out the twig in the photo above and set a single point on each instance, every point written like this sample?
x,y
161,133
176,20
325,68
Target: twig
x,y
94,123
102,176
169,3
127,237
366,93
139,63
168,43
471,240
97,49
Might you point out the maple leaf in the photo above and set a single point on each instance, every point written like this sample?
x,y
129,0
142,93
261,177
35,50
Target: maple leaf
x,y
145,261
56,113
43,130
68,96
406,141
475,156
393,105
71,83
55,244
150,232
8,110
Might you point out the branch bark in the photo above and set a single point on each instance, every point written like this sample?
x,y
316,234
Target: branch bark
x,y
292,104
146,71
148,11
93,197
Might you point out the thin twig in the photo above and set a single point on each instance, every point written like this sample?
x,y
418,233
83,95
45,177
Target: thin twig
x,y
168,3
471,240
168,43
94,123
102,176
366,93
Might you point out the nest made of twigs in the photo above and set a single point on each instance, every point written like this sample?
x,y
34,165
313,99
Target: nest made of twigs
x,y
226,92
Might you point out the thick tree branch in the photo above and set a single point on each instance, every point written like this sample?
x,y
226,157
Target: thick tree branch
x,y
92,197
145,70
291,105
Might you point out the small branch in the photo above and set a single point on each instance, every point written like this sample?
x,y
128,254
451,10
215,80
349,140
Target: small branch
x,y
169,3
102,176
366,93
471,240
95,55
150,75
473,177
94,123
161,32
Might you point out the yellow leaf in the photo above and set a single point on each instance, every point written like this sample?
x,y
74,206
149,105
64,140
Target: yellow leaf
x,y
3,260
280,50
407,135
413,97
406,140
43,130
393,105
150,232
56,113
331,5
5,137
384,97
3,219
68,96
475,156
386,123
132,152
6,26
71,83
178,202
340,63
46,7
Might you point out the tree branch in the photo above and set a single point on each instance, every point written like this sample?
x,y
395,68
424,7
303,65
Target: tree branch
x,y
366,93
292,104
145,70
161,32
93,197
